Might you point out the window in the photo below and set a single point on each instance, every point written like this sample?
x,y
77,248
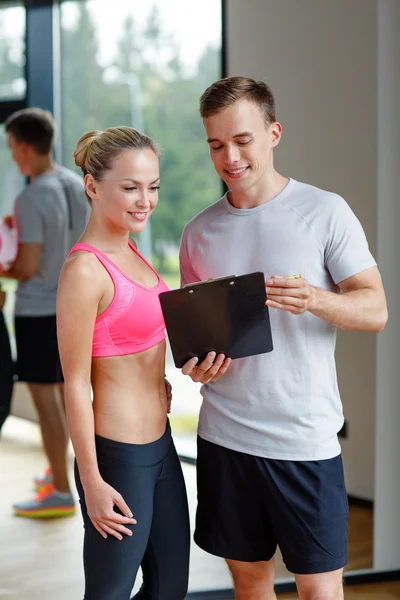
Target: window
x,y
12,88
12,52
11,182
138,66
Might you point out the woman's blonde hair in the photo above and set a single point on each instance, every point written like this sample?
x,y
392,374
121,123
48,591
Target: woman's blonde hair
x,y
96,150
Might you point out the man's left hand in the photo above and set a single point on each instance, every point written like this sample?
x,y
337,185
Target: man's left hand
x,y
209,370
290,294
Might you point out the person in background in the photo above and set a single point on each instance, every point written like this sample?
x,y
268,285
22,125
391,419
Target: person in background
x,y
50,213
269,466
111,335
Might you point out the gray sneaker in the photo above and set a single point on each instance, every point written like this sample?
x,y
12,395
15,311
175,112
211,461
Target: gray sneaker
x,y
47,504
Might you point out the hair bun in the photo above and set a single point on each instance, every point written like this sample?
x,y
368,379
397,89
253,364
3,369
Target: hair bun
x,y
83,147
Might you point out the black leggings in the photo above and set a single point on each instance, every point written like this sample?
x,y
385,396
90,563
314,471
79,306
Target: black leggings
x,y
150,479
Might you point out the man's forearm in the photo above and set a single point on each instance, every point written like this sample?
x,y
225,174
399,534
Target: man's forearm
x,y
7,274
358,310
14,272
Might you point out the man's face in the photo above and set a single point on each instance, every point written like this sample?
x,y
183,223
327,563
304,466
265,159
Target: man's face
x,y
241,144
20,154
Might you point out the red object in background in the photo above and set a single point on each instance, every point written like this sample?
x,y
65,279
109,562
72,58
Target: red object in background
x,y
8,242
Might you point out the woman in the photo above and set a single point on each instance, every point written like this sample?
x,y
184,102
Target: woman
x,y
112,337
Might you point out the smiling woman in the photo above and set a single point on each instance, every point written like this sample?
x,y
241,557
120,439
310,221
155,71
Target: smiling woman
x,y
125,456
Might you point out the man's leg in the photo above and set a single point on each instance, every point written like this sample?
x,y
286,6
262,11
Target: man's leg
x,y
308,506
49,405
231,521
62,396
322,586
253,580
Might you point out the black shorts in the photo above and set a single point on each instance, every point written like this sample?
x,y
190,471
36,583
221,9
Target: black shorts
x,y
247,506
38,359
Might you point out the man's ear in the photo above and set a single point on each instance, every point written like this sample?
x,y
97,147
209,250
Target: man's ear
x,y
90,186
276,133
25,148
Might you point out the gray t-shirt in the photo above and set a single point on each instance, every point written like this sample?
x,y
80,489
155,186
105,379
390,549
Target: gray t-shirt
x,y
284,404
53,211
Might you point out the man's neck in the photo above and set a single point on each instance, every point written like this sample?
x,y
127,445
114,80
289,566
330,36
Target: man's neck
x,y
42,165
260,193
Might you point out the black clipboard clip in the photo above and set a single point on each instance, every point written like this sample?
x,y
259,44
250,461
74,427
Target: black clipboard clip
x,y
224,280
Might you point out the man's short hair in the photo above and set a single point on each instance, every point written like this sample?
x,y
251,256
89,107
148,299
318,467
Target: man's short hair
x,y
34,126
225,92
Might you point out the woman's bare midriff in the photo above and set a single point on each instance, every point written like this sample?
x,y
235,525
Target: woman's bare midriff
x,y
130,400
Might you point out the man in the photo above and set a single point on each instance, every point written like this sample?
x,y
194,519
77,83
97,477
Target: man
x,y
51,213
269,465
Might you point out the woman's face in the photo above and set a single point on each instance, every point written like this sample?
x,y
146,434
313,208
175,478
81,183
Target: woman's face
x,y
128,192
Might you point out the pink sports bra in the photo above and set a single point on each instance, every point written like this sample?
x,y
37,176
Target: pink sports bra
x,y
133,322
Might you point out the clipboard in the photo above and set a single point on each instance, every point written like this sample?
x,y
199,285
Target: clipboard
x,y
226,315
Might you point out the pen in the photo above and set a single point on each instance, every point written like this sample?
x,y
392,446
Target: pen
x,y
298,276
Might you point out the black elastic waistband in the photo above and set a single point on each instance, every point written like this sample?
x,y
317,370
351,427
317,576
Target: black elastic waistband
x,y
135,454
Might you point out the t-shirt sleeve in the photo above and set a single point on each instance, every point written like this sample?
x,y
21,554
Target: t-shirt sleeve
x,y
346,249
29,220
188,274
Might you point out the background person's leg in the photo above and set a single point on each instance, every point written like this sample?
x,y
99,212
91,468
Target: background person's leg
x,y
38,365
54,499
46,478
48,403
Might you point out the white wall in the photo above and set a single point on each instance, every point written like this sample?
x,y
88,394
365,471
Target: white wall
x,y
334,66
319,56
387,491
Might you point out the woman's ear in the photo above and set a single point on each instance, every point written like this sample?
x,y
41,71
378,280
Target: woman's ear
x,y
90,186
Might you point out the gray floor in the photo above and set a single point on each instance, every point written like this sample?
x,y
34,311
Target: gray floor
x,y
41,560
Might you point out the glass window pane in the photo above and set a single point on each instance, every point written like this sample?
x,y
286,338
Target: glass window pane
x,y
146,65
11,181
12,52
11,184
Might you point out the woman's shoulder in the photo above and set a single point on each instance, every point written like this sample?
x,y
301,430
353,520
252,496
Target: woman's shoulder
x,y
82,269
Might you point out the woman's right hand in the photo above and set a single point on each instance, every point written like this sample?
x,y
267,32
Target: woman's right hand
x,y
100,500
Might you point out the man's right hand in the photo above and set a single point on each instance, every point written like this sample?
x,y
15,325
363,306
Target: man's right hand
x,y
210,369
100,501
